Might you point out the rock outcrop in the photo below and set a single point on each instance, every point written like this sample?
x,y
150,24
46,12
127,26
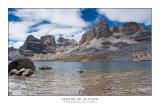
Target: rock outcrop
x,y
130,28
21,63
32,45
66,42
130,42
115,29
13,55
101,29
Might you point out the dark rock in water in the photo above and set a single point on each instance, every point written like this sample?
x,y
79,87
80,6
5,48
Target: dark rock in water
x,y
21,63
43,67
80,71
101,29
27,72
130,28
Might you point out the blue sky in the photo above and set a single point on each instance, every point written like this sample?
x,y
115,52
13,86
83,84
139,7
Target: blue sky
x,y
68,23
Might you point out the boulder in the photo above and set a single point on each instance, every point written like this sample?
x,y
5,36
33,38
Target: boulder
x,y
27,72
21,63
20,71
13,72
130,28
43,67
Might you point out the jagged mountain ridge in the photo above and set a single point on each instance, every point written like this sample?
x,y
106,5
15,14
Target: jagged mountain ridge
x,y
131,42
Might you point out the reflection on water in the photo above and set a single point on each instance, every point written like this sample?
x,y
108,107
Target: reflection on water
x,y
99,78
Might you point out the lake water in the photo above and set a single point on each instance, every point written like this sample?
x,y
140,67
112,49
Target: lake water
x,y
98,79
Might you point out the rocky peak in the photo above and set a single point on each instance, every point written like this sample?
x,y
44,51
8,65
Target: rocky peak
x,y
66,42
48,41
32,38
130,28
115,29
101,29
32,45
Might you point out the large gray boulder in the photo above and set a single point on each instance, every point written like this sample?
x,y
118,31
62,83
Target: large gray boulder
x,y
21,63
27,72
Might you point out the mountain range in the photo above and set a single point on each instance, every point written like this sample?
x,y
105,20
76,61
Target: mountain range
x,y
130,42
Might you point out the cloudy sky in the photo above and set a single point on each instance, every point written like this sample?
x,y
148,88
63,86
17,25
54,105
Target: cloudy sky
x,y
68,23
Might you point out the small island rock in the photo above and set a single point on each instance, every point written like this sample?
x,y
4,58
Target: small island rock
x,y
80,71
43,67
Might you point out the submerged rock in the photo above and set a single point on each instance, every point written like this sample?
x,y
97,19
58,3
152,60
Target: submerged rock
x,y
43,67
80,71
21,63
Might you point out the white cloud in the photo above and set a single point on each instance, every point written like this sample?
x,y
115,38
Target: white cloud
x,y
63,21
128,15
18,30
65,17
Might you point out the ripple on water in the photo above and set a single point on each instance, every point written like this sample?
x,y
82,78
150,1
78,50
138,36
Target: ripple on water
x,y
94,81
